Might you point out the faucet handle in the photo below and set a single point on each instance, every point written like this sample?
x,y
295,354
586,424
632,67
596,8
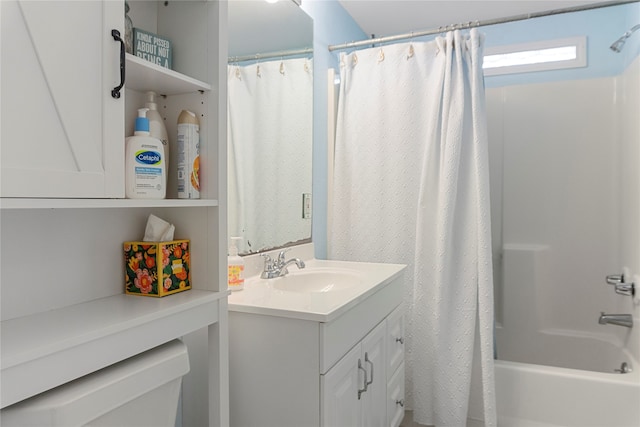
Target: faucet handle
x,y
615,279
282,256
268,262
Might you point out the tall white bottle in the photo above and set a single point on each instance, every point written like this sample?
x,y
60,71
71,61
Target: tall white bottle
x,y
188,155
145,173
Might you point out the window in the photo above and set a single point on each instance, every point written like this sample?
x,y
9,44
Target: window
x,y
538,56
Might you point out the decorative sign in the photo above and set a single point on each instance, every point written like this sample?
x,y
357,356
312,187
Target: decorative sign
x,y
152,48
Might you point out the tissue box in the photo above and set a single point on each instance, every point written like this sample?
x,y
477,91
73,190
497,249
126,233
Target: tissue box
x,y
156,269
152,47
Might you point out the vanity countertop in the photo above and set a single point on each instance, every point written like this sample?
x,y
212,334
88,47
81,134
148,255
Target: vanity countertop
x,y
261,296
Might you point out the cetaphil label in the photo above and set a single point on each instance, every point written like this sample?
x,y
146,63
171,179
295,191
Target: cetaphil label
x,y
148,157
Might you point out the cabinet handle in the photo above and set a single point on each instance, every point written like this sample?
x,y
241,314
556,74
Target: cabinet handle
x,y
400,403
366,359
400,340
365,379
116,90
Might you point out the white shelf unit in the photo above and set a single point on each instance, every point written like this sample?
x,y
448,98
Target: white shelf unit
x,y
144,76
28,203
64,313
112,329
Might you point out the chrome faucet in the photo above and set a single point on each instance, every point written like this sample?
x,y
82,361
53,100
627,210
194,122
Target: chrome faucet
x,y
616,319
278,267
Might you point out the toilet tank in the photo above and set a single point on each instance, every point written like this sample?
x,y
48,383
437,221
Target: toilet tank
x,y
140,391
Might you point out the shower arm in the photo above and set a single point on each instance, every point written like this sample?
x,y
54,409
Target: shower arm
x,y
631,31
619,44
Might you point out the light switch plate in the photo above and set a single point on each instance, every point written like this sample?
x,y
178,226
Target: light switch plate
x,y
306,205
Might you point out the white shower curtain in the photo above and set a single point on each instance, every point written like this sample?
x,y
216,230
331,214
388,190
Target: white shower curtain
x,y
411,186
270,119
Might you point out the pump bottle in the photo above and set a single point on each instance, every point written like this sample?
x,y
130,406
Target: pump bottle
x,y
145,173
157,129
235,266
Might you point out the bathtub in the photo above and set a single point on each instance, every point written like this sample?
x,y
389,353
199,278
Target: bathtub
x,y
547,396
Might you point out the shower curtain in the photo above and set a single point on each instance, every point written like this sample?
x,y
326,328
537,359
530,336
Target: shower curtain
x,y
270,118
411,186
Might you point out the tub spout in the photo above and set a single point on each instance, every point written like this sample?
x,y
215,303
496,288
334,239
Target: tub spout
x,y
616,319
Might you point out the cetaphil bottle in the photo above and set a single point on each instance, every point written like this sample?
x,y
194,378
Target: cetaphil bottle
x,y
145,171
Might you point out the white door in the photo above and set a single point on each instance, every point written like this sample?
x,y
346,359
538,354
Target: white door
x,y
340,392
374,400
62,131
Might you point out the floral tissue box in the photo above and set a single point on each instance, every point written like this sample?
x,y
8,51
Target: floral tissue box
x,y
157,269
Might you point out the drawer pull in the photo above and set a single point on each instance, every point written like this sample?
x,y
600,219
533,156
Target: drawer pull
x,y
366,359
116,90
400,402
400,340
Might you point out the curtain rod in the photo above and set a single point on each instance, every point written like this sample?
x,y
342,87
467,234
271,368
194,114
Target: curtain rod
x,y
473,24
279,54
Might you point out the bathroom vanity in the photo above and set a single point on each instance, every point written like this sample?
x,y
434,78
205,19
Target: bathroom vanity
x,y
304,352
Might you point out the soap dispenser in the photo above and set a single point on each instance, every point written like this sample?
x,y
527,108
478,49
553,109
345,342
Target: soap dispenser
x,y
145,173
157,129
235,266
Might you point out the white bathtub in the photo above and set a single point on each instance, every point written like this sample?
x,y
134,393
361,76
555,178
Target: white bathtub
x,y
544,396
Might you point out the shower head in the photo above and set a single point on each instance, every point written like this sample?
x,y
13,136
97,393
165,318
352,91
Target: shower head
x,y
619,44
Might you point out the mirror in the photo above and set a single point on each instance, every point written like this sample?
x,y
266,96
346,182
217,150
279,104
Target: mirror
x,y
270,120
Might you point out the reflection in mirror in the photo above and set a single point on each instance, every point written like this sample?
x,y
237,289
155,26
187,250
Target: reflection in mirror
x,y
270,118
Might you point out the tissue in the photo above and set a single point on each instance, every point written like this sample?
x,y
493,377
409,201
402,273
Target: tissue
x,y
158,230
158,265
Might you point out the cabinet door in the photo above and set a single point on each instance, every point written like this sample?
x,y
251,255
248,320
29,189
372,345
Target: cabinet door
x,y
374,408
395,340
340,397
62,131
395,400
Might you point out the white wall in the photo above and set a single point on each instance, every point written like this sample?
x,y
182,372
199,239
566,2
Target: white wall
x,y
562,220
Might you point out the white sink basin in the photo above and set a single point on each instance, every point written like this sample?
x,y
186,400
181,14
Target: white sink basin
x,y
321,291
316,280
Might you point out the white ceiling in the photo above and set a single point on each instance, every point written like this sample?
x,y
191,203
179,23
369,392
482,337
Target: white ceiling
x,y
261,27
391,17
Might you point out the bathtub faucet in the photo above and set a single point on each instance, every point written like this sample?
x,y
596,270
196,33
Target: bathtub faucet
x,y
616,319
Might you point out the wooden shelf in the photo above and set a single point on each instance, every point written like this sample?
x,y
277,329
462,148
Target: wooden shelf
x,y
143,76
58,346
28,203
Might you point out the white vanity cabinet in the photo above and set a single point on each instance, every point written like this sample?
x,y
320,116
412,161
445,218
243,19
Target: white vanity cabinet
x,y
61,128
300,369
354,390
63,216
378,362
